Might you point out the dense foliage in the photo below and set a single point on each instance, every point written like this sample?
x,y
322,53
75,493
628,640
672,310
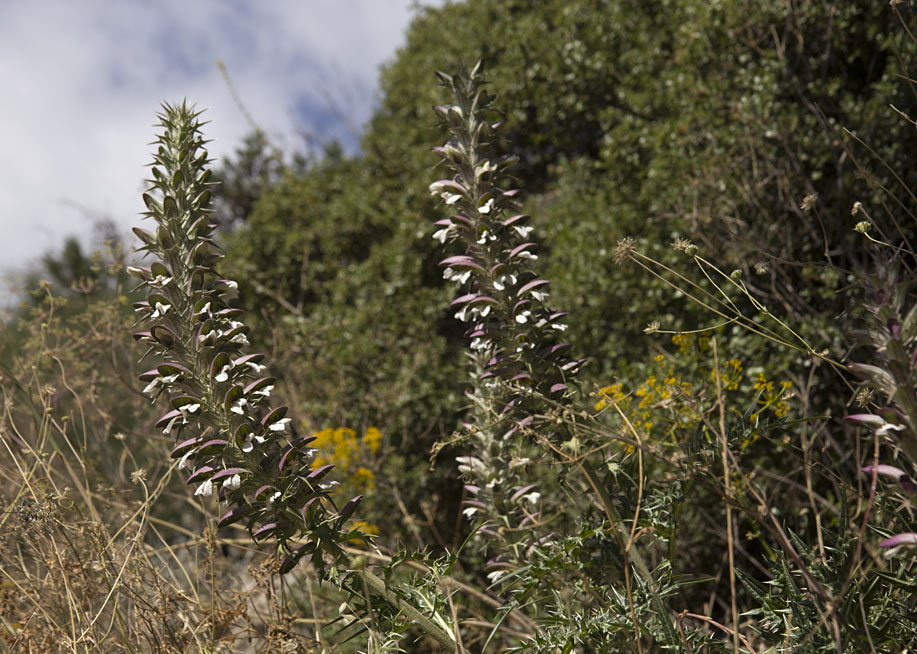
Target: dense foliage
x,y
723,197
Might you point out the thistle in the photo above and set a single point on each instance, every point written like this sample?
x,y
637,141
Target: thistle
x,y
234,445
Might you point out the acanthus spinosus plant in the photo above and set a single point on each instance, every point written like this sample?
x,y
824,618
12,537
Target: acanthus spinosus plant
x,y
520,369
517,357
891,339
233,444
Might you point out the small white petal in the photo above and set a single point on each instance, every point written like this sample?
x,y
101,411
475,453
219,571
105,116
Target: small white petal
x,y
161,310
280,425
205,489
233,482
532,498
487,207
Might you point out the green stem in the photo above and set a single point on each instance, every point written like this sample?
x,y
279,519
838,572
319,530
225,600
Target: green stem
x,y
378,585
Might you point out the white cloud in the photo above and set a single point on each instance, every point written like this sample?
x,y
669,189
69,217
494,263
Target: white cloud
x,y
82,81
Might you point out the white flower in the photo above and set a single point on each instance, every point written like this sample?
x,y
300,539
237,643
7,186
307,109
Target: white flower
x,y
266,391
273,498
457,277
465,314
189,408
233,482
483,312
183,463
495,575
451,198
888,428
525,254
205,310
485,167
479,343
559,326
328,485
469,512
160,280
523,230
501,281
223,375
523,317
240,338
205,489
280,425
532,498
212,335
541,296
171,424
232,289
442,234
483,239
487,207
435,188
161,310
238,406
249,444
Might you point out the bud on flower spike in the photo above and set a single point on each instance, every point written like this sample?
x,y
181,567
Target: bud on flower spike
x,y
230,439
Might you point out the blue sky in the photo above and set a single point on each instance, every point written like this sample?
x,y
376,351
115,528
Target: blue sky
x,y
82,82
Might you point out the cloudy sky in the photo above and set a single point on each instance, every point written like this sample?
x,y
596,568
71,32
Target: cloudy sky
x,y
81,82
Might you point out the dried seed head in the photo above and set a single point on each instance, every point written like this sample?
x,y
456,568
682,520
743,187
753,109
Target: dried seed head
x,y
808,202
624,250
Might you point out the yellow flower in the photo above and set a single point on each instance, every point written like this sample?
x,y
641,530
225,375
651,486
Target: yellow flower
x,y
372,439
364,479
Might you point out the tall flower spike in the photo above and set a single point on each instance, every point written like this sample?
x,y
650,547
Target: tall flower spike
x,y
234,445
518,357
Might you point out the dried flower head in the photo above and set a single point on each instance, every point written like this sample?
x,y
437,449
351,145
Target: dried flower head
x,y
681,244
808,202
624,250
864,397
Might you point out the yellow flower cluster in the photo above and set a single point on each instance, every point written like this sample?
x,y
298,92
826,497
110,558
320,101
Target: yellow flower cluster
x,y
667,399
686,343
342,448
773,398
